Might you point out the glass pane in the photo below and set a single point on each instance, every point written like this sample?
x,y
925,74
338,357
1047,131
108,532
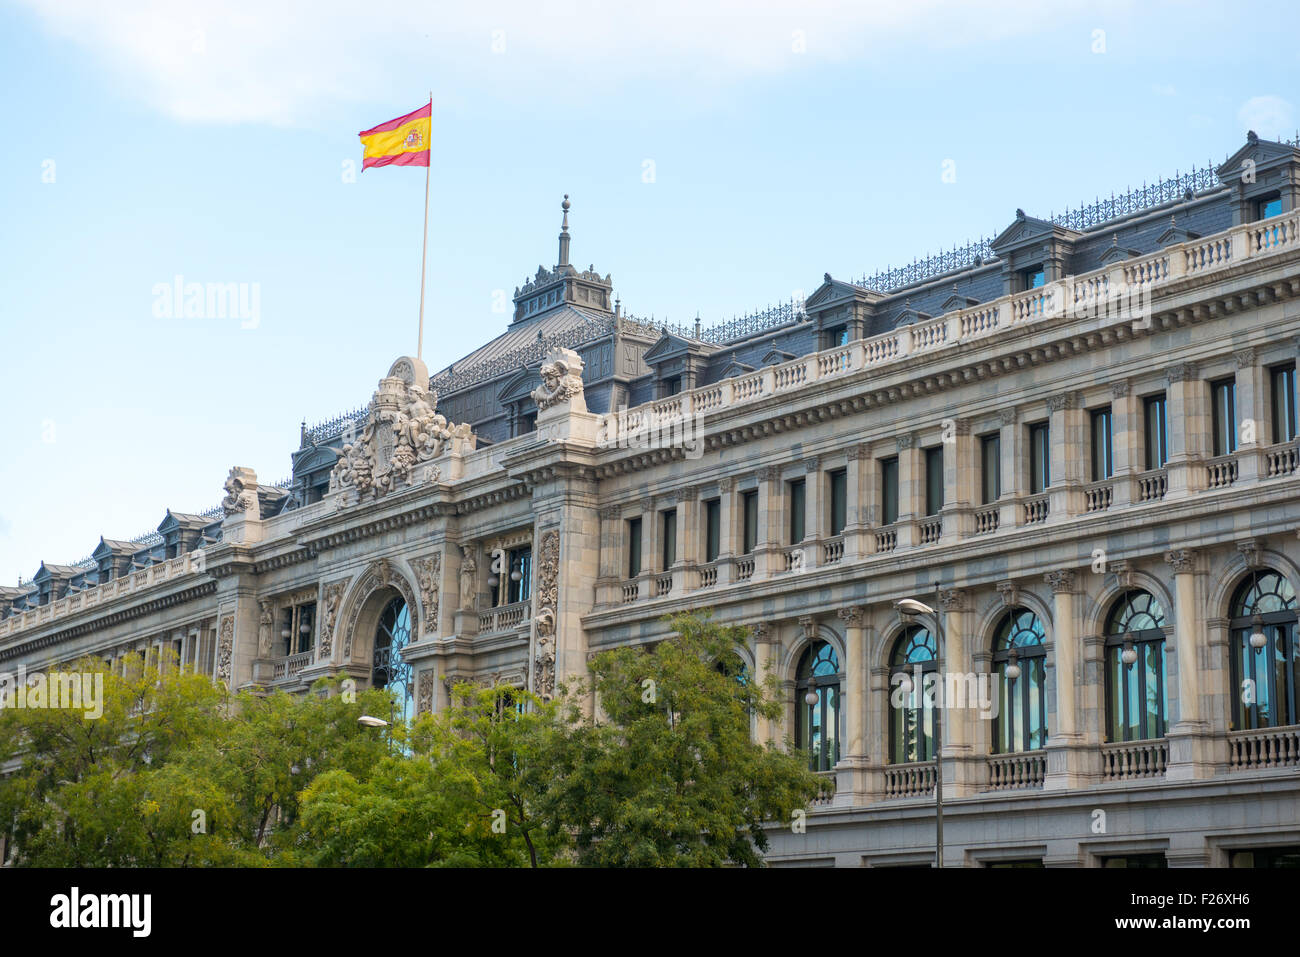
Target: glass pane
x,y
1036,719
889,491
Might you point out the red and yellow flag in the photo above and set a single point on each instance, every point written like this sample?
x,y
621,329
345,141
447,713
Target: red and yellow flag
x,y
400,142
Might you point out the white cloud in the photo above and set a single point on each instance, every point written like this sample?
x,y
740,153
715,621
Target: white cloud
x,y
1270,116
278,62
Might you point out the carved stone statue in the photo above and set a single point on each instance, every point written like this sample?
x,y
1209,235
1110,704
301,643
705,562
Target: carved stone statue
x,y
561,381
402,430
468,569
264,630
241,491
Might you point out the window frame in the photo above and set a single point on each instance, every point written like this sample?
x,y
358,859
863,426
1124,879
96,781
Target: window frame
x,y
1040,466
889,469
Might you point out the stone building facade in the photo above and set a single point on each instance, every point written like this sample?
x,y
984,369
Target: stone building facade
x,y
1078,446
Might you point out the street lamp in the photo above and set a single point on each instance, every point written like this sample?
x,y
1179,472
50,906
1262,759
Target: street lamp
x,y
914,608
370,721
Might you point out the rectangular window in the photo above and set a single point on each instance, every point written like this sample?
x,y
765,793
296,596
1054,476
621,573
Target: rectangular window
x,y
933,480
1223,401
798,501
839,500
837,336
1284,412
673,386
750,502
521,561
1156,418
1040,458
1033,277
1265,208
1103,465
670,539
888,491
712,529
633,547
991,467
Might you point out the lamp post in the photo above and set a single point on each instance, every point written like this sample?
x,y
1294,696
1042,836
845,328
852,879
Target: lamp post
x,y
914,608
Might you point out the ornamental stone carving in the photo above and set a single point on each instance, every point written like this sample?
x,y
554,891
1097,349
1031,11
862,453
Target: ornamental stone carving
x,y
241,492
548,592
1008,416
225,649
1061,581
952,599
561,381
329,619
905,441
468,574
1182,560
1245,358
851,616
402,430
264,633
380,574
1059,403
1181,372
427,571
1010,593
424,692
1120,389
1249,549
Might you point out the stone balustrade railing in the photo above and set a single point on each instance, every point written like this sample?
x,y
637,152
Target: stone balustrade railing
x,y
1127,760
97,595
1281,459
1025,769
1221,472
504,617
1098,496
1264,748
292,665
909,780
1152,485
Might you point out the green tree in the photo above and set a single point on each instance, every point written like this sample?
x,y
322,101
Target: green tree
x,y
667,773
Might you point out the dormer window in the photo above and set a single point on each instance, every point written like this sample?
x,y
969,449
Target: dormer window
x,y
672,385
1033,277
1268,206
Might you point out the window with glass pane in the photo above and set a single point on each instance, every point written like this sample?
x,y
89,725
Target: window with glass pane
x,y
991,467
818,724
1021,722
1103,466
839,500
1136,699
712,529
1223,397
633,547
1040,463
1271,206
911,726
1284,402
797,511
669,556
1265,605
389,669
934,480
1033,277
750,502
1157,431
888,491
521,574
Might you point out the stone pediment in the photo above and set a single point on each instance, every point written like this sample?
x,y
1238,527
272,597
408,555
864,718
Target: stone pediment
x,y
175,520
1117,253
774,357
669,346
837,292
1027,230
518,386
55,573
910,316
957,301
1176,234
316,457
735,367
111,548
1264,154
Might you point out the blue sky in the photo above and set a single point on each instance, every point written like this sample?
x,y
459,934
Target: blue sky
x,y
209,140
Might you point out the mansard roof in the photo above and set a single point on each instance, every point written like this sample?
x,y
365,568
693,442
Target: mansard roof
x,y
48,571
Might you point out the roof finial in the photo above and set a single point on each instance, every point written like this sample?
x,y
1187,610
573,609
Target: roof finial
x,y
564,233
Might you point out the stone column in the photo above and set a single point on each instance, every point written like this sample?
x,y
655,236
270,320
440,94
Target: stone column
x,y
771,512
1189,430
1254,415
1068,434
960,480
850,782
911,489
1191,749
1015,470
608,584
1126,433
730,526
686,573
965,700
1065,742
857,507
814,511
765,664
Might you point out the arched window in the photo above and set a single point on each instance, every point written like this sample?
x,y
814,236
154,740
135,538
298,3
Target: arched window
x,y
1265,656
1136,701
392,635
911,713
817,706
1020,664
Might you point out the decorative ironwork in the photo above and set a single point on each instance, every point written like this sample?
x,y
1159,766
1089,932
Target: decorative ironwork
x,y
332,428
741,327
453,380
391,671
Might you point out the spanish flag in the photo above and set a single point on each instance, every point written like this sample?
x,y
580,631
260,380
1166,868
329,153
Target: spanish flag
x,y
400,142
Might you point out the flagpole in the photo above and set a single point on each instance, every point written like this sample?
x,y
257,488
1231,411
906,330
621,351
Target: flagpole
x,y
424,249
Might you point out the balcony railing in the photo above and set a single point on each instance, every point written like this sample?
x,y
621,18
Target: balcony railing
x,y
504,618
1098,496
1008,772
1152,485
793,556
708,575
744,569
887,538
1281,459
826,795
663,585
1036,509
1130,760
1221,472
1264,748
909,780
289,667
631,591
832,551
986,520
930,531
